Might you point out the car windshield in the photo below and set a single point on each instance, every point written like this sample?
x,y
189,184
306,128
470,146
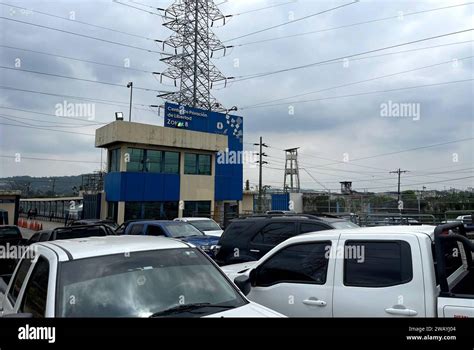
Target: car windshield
x,y
182,229
9,232
205,225
141,284
343,224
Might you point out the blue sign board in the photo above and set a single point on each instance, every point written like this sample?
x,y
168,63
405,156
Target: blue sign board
x,y
229,175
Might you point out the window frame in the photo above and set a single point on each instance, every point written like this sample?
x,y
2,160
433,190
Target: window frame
x,y
196,164
11,298
259,232
386,285
258,269
28,284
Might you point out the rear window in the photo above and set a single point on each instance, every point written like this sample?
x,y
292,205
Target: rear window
x,y
80,233
237,228
372,264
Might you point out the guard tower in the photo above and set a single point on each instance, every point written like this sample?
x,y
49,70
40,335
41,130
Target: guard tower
x,y
292,171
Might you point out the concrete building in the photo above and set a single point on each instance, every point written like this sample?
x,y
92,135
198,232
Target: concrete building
x,y
159,172
9,207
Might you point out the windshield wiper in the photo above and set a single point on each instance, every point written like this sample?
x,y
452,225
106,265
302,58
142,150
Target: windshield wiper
x,y
187,307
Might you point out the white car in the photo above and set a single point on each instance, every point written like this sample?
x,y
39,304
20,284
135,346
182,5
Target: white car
x,y
122,276
393,271
206,225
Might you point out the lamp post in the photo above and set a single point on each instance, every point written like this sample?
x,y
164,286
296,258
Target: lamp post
x,y
130,86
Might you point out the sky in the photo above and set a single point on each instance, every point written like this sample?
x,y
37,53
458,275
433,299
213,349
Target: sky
x,y
355,118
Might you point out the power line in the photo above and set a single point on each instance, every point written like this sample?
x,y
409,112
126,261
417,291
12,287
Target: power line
x,y
78,59
75,78
77,21
263,8
82,35
291,22
50,159
394,53
364,93
53,115
259,75
47,129
136,8
99,101
56,125
351,25
356,82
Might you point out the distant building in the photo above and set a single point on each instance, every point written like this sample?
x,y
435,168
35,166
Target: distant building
x,y
159,172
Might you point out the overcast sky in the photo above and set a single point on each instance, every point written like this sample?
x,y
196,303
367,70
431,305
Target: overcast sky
x,y
333,130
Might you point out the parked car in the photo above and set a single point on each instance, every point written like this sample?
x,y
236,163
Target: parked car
x,y
393,271
121,276
112,224
71,232
174,229
249,238
206,225
10,235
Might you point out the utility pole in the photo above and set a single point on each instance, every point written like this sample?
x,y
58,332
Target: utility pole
x,y
399,172
261,162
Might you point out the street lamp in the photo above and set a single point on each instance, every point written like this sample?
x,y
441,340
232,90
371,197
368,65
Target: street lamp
x,y
130,86
118,116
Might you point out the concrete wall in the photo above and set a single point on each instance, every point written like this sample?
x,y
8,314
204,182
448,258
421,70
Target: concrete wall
x,y
151,135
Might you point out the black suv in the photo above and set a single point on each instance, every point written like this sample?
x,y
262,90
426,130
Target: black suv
x,y
248,239
71,232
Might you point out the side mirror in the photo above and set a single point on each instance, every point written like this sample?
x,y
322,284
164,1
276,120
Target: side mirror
x,y
243,283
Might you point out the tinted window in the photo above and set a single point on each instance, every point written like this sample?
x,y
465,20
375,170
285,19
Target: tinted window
x,y
35,238
275,233
9,232
81,233
197,164
18,279
377,264
154,231
302,263
34,298
114,164
308,227
45,236
171,163
136,229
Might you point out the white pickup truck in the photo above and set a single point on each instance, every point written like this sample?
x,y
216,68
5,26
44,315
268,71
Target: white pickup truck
x,y
121,276
394,271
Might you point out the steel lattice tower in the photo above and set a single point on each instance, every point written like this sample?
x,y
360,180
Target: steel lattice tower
x,y
292,170
194,45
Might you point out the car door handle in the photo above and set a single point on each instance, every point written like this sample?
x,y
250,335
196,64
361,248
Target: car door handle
x,y
403,312
255,250
314,302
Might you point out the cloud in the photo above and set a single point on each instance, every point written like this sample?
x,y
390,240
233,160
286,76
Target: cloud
x,y
327,127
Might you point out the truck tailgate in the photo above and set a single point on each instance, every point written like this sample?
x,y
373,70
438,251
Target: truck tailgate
x,y
455,307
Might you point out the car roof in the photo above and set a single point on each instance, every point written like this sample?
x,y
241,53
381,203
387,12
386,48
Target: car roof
x,y
81,248
293,217
155,222
422,230
195,219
